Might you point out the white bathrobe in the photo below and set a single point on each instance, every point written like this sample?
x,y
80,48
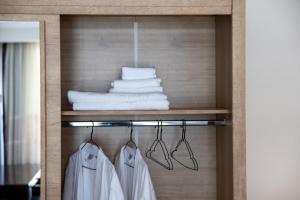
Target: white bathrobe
x,y
82,183
135,182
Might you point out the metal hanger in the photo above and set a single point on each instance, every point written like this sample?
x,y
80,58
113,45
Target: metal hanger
x,y
90,141
130,138
187,145
159,142
132,143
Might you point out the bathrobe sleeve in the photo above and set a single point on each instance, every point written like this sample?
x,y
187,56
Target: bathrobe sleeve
x,y
144,187
69,189
116,192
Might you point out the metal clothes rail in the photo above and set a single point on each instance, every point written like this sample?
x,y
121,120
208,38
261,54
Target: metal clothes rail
x,y
129,123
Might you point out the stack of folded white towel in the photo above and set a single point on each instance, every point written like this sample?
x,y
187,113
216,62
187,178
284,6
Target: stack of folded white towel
x,y
139,89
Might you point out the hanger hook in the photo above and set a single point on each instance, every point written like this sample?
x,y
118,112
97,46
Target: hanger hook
x,y
183,130
161,129
158,128
131,129
92,132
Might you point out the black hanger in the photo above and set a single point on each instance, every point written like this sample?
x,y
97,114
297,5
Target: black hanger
x,y
91,141
187,145
159,140
130,142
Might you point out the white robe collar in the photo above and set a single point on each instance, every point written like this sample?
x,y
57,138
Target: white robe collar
x,y
103,167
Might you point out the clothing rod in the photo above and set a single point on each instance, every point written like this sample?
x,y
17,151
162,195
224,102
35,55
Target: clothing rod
x,y
143,123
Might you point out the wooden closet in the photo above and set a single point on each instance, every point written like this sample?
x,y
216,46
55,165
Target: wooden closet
x,y
197,48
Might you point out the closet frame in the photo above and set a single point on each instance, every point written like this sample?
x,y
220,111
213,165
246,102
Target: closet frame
x,y
229,21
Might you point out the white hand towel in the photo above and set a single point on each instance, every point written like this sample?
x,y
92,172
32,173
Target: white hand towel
x,y
130,73
90,97
154,82
139,105
136,90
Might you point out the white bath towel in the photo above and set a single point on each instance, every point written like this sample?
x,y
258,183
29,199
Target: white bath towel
x,y
90,97
131,73
140,105
136,90
154,82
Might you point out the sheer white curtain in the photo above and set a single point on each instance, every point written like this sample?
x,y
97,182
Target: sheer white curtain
x,y
22,103
2,177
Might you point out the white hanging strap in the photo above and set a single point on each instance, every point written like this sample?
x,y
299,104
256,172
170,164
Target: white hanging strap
x,y
136,64
136,43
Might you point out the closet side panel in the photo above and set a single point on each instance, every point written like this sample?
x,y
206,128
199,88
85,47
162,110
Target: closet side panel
x,y
238,104
224,100
53,109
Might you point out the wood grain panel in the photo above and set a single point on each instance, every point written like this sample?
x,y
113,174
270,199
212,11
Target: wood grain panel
x,y
224,61
51,171
182,112
124,3
178,184
194,64
93,50
238,102
224,98
43,108
181,49
183,52
53,110
97,10
117,7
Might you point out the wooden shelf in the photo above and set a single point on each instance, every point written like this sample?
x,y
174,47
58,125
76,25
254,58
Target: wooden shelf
x,y
188,111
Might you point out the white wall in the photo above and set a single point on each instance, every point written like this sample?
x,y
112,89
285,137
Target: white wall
x,y
273,99
19,31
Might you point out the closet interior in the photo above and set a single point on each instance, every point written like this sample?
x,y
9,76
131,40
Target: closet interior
x,y
197,49
193,57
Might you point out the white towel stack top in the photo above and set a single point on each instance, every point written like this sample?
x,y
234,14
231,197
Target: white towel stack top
x,y
139,89
133,73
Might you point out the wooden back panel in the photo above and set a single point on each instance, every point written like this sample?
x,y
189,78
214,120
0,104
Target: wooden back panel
x,y
181,48
183,51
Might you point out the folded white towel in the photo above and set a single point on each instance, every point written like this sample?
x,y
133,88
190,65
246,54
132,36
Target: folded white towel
x,y
90,97
141,105
136,90
130,73
154,82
